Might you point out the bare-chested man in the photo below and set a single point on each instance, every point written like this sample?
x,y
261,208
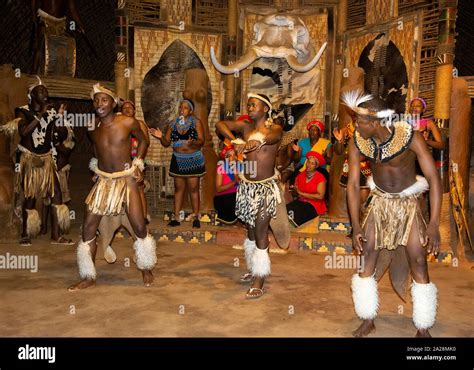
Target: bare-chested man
x,y
63,144
37,170
393,218
116,187
258,193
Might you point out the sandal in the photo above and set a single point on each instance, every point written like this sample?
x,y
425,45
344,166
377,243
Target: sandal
x,y
260,292
62,241
25,241
246,278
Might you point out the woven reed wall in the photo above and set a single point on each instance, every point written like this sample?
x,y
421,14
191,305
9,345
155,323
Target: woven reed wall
x,y
429,40
150,44
209,14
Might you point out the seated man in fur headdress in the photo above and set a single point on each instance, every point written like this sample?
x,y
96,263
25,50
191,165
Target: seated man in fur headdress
x,y
116,188
393,223
36,172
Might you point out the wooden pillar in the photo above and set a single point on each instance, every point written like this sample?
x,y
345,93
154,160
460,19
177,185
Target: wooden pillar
x,y
121,89
460,153
354,80
443,86
229,104
121,48
339,66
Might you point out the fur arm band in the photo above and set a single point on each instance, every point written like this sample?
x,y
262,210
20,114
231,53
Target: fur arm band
x,y
139,163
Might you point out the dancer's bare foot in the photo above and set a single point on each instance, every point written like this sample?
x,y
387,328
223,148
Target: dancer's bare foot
x,y
147,277
423,333
364,329
83,284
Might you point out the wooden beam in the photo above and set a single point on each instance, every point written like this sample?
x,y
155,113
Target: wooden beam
x,y
68,87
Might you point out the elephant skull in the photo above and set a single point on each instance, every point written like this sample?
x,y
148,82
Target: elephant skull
x,y
277,36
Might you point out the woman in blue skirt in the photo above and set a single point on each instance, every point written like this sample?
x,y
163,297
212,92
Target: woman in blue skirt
x,y
186,136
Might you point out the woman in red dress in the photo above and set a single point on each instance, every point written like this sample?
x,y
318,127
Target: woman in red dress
x,y
310,185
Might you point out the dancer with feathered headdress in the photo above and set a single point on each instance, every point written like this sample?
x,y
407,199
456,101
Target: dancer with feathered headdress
x,y
393,223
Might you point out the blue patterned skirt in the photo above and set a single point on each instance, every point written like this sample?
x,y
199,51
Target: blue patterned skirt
x,y
187,164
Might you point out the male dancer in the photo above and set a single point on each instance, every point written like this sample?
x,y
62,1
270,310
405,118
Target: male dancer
x,y
37,171
116,187
63,144
258,193
393,218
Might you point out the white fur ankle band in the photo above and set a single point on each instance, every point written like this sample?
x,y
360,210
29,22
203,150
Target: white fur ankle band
x,y
145,251
84,261
425,303
261,264
365,297
33,223
64,220
249,249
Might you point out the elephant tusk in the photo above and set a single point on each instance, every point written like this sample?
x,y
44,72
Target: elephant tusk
x,y
298,67
242,63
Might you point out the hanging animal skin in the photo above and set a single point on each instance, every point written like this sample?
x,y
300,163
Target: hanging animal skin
x,y
277,36
385,72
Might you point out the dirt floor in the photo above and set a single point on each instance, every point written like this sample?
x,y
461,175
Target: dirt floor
x,y
197,294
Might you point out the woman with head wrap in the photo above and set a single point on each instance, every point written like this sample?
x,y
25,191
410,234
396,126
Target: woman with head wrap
x,y
310,186
314,142
186,136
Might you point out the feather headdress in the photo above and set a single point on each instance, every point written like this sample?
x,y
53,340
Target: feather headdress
x,y
352,99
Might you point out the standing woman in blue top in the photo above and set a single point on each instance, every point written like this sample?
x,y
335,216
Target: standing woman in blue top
x,y
186,136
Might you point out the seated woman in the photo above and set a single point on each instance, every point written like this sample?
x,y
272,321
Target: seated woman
x,y
314,143
310,185
227,181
